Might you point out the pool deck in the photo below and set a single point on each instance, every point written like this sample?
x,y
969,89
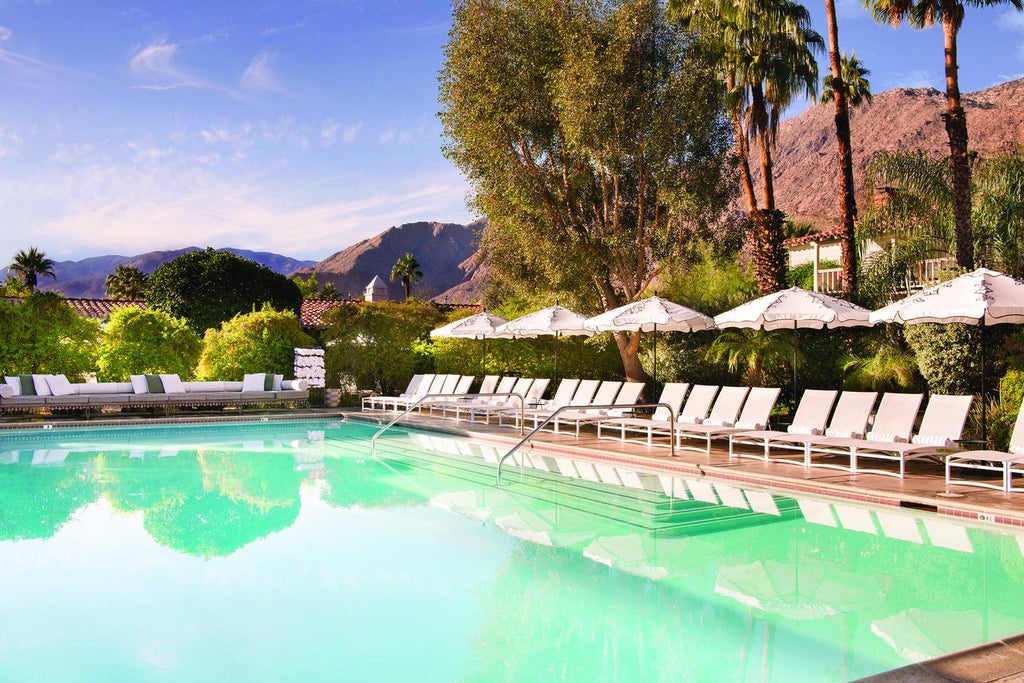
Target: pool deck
x,y
923,488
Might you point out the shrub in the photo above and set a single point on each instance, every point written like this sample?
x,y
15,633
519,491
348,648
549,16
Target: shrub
x,y
263,341
137,341
947,356
43,334
803,275
380,344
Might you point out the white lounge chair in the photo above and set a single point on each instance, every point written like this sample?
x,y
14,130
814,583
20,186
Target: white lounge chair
x,y
849,420
756,409
372,402
604,395
893,423
429,384
672,395
627,396
723,413
1006,463
487,386
810,417
509,396
583,396
940,431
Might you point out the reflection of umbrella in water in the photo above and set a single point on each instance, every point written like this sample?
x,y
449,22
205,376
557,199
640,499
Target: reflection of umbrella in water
x,y
480,326
791,309
647,555
797,591
556,321
479,504
983,297
652,314
917,634
556,527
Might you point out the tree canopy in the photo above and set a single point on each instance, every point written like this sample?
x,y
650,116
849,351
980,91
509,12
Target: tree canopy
x,y
593,135
126,282
209,287
261,341
137,341
29,266
43,334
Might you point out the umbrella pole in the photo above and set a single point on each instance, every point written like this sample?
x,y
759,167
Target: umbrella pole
x,y
556,358
796,341
984,401
655,354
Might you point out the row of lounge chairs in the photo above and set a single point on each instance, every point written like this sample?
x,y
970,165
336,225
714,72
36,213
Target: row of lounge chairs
x,y
829,429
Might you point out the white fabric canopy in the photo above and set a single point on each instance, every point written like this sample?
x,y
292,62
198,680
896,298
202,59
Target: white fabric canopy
x,y
983,296
653,314
479,326
555,320
792,308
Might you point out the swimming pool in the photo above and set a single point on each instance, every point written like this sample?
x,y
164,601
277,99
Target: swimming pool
x,y
283,551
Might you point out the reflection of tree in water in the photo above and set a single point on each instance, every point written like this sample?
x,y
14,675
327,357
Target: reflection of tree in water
x,y
369,483
208,504
36,501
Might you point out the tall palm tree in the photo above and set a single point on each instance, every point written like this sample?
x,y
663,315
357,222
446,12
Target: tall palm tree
x,y
29,265
406,268
126,282
768,59
923,14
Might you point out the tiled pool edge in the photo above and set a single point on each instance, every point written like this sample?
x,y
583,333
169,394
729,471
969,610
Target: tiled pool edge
x,y
998,661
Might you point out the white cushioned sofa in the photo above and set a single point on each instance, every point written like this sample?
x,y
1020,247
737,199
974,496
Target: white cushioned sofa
x,y
31,392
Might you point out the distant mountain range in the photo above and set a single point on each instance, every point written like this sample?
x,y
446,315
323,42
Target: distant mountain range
x,y
805,184
85,279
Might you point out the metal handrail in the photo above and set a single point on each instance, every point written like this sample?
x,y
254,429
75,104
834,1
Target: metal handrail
x,y
419,402
611,406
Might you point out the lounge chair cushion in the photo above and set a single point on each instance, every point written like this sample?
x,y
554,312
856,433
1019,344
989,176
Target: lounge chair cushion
x,y
139,385
38,382
938,441
172,384
882,436
154,385
843,433
278,382
15,384
59,385
800,429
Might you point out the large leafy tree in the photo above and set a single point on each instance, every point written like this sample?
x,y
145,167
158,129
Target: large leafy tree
x,y
126,282
29,265
406,269
137,341
208,287
950,13
768,51
592,134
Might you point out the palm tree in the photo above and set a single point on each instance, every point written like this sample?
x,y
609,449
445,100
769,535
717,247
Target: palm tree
x,y
407,268
29,265
855,82
768,60
922,14
126,282
756,354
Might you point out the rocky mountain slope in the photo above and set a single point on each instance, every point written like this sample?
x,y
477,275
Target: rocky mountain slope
x,y
444,252
806,160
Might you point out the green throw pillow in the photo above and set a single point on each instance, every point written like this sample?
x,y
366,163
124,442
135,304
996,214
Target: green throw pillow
x,y
268,382
28,387
154,384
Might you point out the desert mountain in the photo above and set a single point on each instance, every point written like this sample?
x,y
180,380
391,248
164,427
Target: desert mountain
x,y
806,160
86,278
443,250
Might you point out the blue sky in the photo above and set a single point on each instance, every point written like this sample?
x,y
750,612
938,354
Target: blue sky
x,y
299,127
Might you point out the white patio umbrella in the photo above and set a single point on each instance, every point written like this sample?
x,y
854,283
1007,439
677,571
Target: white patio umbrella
x,y
556,321
983,297
652,314
794,308
482,325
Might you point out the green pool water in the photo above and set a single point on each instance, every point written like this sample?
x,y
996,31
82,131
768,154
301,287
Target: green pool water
x,y
284,551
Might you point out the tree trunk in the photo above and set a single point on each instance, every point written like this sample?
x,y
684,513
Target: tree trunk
x,y
629,351
769,256
956,129
742,150
847,200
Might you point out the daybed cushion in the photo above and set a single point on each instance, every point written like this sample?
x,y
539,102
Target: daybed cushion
x,y
14,383
139,385
256,381
6,391
42,388
104,388
172,384
59,385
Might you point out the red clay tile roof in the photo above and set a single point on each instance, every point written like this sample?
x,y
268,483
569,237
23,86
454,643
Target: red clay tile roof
x,y
825,235
100,309
313,310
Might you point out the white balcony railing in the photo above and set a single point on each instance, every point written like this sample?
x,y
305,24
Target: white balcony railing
x,y
924,274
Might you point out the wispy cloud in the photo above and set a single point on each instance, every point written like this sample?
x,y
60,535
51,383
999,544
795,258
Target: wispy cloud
x,y
5,33
277,30
391,136
156,62
912,79
260,74
331,130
